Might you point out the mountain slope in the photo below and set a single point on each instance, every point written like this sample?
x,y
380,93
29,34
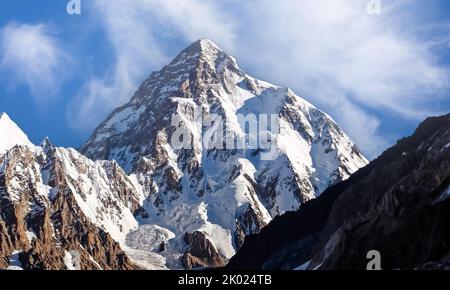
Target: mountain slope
x,y
60,210
211,198
10,134
397,205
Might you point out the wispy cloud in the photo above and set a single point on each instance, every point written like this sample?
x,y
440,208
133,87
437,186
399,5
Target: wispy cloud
x,y
354,65
337,54
32,55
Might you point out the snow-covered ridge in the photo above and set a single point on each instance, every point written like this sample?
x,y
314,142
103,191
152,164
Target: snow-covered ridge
x,y
101,189
34,179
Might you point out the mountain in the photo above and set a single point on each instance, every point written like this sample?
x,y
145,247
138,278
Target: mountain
x,y
398,205
60,210
301,197
11,134
204,200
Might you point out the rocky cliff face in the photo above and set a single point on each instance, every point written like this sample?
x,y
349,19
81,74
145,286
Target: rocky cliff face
x,y
221,194
59,210
397,205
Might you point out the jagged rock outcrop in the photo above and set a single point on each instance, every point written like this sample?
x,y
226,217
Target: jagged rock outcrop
x,y
201,252
398,205
59,210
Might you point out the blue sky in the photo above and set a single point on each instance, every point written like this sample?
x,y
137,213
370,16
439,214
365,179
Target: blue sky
x,y
377,75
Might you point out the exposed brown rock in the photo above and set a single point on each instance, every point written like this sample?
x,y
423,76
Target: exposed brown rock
x,y
201,252
46,231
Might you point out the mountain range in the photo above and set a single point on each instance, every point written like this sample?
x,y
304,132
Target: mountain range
x,y
130,198
398,205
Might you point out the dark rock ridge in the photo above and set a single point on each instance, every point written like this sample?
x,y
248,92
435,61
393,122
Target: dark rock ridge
x,y
399,205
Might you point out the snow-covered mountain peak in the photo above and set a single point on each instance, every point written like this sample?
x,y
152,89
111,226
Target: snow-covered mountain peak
x,y
206,45
216,197
200,50
4,116
202,57
11,134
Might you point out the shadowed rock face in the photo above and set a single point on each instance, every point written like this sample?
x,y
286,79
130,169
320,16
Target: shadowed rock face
x,y
201,252
399,205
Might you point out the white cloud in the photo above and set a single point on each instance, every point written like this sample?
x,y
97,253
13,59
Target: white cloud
x,y
347,61
135,29
33,56
332,51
